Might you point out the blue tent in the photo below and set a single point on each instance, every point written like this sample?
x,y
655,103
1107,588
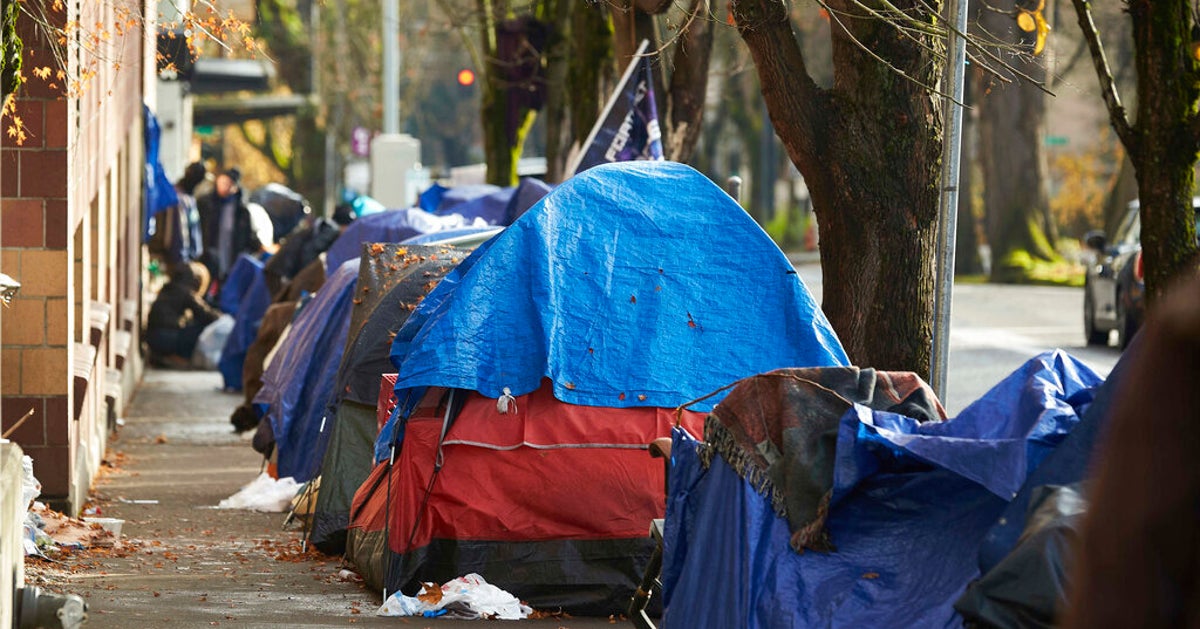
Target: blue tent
x,y
387,226
299,383
529,192
458,195
239,279
616,288
158,191
246,321
490,208
911,505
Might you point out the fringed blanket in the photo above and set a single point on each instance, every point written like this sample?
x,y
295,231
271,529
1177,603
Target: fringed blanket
x,y
779,431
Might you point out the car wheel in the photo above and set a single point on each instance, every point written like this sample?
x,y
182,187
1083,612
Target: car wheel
x,y
1093,336
1126,326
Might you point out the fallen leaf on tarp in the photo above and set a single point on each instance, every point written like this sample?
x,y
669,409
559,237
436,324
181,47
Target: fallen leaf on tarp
x,y
161,439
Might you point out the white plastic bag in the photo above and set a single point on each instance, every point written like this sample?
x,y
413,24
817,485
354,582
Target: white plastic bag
x,y
471,590
30,487
211,342
263,494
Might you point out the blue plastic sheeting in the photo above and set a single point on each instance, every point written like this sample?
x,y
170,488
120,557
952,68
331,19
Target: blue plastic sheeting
x,y
633,284
299,383
159,192
1067,464
912,504
491,208
431,198
529,192
246,322
461,194
239,279
388,226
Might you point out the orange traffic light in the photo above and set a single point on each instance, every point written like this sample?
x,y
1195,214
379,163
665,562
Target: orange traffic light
x,y
466,77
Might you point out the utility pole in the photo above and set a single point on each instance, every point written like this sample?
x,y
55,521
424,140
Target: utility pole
x,y
956,47
391,66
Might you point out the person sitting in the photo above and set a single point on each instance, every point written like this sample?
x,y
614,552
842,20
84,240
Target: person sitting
x,y
177,318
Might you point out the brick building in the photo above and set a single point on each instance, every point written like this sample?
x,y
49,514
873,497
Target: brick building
x,y
70,207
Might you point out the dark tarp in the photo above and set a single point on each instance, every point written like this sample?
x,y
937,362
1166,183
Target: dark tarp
x,y
285,206
297,251
911,503
398,277
1028,587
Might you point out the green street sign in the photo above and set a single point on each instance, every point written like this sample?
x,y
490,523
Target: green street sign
x,y
1055,140
204,130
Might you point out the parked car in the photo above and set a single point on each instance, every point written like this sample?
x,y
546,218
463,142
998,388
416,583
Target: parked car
x,y
1114,295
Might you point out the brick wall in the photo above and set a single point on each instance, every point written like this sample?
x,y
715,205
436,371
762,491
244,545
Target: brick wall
x,y
67,196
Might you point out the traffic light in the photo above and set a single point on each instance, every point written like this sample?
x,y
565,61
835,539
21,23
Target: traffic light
x,y
466,77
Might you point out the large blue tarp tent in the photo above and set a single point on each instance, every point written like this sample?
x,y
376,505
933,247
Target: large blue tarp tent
x,y
300,380
626,245
388,226
911,503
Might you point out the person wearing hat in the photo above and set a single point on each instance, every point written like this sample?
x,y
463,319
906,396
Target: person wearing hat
x,y
226,224
177,317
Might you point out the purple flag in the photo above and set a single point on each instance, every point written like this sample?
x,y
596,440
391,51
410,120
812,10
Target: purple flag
x,y
628,129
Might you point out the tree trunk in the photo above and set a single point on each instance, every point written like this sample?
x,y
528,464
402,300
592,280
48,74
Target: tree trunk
x,y
1167,97
869,150
966,243
689,84
1122,191
1011,123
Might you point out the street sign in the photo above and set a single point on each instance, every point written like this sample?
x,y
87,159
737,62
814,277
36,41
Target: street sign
x,y
1055,140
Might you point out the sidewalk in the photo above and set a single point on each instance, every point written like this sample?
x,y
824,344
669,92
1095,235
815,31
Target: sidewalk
x,y
182,563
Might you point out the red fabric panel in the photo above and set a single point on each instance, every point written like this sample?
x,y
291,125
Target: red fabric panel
x,y
370,501
387,398
531,493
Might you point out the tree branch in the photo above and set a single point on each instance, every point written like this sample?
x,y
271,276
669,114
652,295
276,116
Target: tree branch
x,y
1108,87
767,30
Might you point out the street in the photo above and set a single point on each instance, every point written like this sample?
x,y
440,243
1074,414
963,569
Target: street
x,y
996,328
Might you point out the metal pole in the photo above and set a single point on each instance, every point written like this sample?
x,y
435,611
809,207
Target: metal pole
x,y
956,47
733,186
391,66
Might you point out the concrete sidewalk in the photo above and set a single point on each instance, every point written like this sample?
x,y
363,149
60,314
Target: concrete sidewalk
x,y
183,563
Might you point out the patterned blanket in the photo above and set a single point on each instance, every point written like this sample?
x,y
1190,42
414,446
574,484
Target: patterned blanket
x,y
779,430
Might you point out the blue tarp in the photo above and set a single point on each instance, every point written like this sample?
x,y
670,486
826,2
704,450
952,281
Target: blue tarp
x,y
247,319
529,192
911,506
239,279
431,198
633,284
159,192
491,208
298,385
387,226
461,194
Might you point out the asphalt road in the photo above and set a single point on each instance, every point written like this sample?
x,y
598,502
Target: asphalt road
x,y
994,329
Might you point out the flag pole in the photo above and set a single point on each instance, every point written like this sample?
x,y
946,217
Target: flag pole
x,y
612,100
